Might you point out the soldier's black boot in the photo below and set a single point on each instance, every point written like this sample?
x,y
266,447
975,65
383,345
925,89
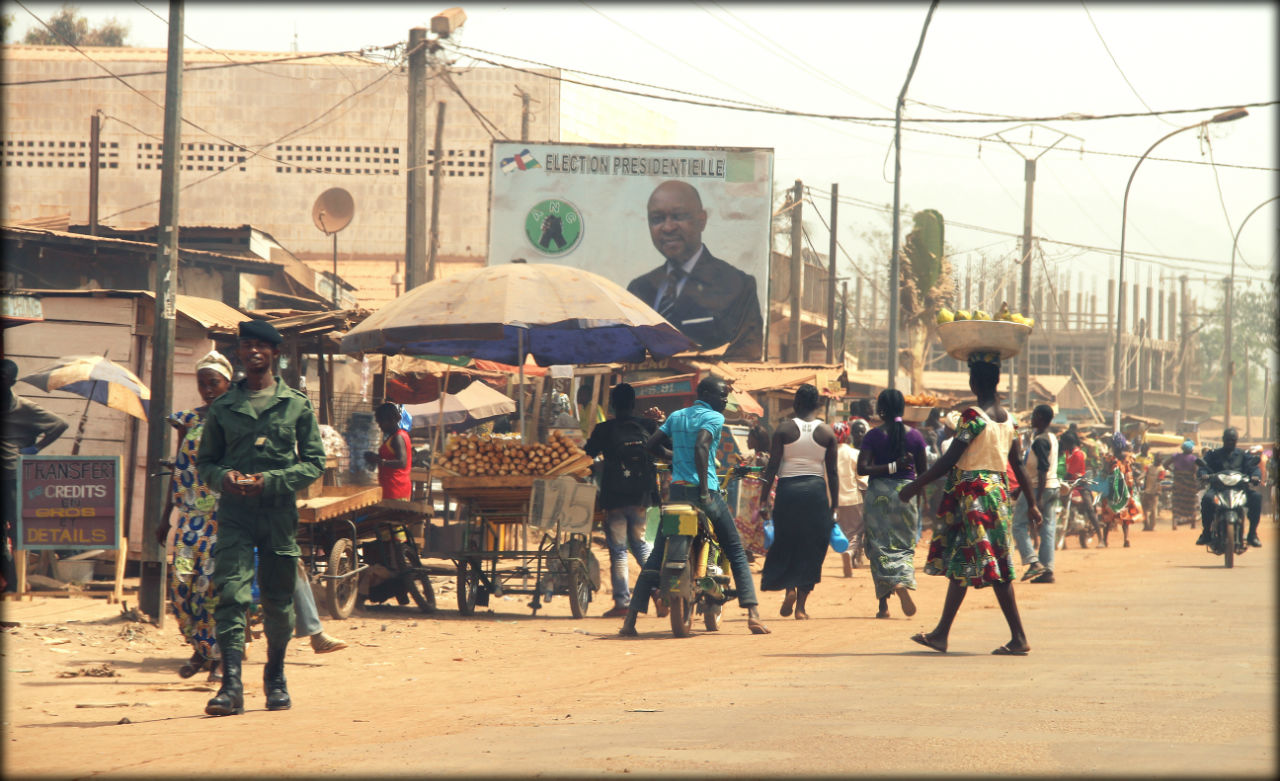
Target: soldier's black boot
x,y
230,697
273,682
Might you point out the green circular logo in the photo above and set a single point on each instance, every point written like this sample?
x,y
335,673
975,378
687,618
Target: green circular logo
x,y
553,227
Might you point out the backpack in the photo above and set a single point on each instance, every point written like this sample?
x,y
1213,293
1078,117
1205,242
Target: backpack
x,y
628,467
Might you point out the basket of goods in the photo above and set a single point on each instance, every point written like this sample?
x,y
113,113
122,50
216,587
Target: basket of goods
x,y
471,456
963,332
918,406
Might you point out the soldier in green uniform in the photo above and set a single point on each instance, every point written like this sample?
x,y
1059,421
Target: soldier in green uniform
x,y
261,444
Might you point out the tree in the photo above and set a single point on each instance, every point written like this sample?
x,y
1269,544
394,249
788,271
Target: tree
x,y
6,22
1253,346
927,286
69,27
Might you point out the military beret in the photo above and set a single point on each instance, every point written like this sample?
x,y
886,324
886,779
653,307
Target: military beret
x,y
260,329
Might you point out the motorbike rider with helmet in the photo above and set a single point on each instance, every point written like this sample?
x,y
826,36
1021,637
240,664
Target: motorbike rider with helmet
x,y
1230,458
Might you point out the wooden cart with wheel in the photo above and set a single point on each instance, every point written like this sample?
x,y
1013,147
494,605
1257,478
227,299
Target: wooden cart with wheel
x,y
489,539
347,527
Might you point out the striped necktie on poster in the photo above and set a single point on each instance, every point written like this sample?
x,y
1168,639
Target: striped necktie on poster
x,y
668,300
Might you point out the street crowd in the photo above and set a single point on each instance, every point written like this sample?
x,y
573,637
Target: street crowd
x,y
867,486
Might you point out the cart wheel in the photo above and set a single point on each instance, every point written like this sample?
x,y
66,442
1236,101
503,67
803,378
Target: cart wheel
x,y
579,589
415,578
419,587
468,587
342,592
711,615
681,616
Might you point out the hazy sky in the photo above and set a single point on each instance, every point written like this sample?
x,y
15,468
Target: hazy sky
x,y
850,59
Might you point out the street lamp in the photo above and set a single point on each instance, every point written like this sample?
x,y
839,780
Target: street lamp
x,y
1226,328
1227,116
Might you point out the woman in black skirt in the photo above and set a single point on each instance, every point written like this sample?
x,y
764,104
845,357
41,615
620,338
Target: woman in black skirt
x,y
802,455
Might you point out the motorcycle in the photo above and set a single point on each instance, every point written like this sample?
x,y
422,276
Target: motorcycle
x,y
1074,519
1226,529
694,576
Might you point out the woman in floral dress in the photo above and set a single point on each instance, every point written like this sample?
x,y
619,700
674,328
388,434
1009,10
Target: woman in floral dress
x,y
1114,507
975,543
191,594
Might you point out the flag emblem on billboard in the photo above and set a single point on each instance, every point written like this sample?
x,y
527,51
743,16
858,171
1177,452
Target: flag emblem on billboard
x,y
523,162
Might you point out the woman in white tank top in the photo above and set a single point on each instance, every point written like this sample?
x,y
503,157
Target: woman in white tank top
x,y
974,547
802,456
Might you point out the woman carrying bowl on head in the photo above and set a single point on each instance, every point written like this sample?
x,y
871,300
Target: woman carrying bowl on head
x,y
975,545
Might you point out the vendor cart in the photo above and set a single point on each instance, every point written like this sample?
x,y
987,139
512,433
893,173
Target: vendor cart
x,y
348,530
496,520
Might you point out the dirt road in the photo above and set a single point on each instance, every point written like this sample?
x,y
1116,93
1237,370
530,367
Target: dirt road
x,y
1151,660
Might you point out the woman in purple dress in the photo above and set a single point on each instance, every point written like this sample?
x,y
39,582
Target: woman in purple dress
x,y
892,455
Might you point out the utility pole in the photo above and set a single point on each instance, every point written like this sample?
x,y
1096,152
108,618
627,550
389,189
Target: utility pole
x,y
433,241
831,279
895,269
1023,395
797,272
524,113
1229,369
844,319
415,248
151,588
1183,380
95,130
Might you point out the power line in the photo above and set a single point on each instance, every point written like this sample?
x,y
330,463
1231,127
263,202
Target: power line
x,y
727,103
188,69
485,122
1114,62
760,40
1170,261
258,152
869,121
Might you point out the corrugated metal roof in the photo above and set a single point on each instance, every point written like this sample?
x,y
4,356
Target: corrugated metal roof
x,y
209,314
64,237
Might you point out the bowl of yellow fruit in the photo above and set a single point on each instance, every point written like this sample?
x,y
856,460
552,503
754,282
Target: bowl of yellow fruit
x,y
963,332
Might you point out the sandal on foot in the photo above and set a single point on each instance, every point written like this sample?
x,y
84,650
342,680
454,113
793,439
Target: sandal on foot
x,y
756,627
882,614
925,640
1005,650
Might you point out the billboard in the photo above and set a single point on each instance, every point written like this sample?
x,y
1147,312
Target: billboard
x,y
685,229
68,502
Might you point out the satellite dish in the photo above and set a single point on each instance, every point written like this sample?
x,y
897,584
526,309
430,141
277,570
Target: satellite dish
x,y
333,210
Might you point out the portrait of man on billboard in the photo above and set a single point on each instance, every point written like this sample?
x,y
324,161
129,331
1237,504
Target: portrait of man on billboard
x,y
709,300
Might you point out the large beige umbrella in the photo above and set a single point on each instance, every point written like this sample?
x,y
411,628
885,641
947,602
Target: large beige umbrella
x,y
557,314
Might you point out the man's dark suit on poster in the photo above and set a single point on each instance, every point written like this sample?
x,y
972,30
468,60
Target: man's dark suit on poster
x,y
717,304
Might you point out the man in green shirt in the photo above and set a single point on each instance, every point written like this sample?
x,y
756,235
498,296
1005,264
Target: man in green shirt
x,y
261,444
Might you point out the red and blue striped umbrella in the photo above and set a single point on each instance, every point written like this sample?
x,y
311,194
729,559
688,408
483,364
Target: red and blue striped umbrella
x,y
96,379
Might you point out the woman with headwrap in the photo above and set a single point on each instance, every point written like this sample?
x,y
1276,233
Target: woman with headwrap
x,y
191,593
892,455
1186,506
1120,502
975,546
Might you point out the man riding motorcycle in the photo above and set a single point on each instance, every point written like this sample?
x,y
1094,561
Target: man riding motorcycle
x,y
1229,457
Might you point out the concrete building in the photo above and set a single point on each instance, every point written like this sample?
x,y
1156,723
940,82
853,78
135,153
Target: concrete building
x,y
262,141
